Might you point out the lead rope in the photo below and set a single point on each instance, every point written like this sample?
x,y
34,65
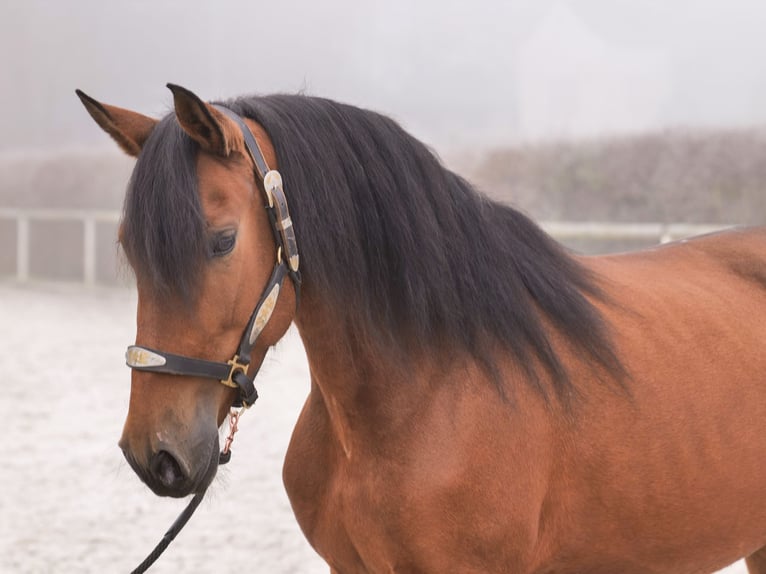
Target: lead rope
x,y
186,514
180,522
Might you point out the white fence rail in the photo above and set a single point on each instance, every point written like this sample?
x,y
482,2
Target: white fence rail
x,y
561,230
88,219
658,232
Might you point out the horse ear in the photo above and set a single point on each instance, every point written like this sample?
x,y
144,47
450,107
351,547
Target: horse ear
x,y
207,126
129,129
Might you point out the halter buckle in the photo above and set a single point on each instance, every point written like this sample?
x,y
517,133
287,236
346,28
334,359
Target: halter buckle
x,y
236,365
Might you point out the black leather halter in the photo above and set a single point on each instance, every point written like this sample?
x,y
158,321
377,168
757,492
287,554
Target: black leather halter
x,y
233,373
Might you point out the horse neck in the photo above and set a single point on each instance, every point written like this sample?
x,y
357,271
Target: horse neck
x,y
363,391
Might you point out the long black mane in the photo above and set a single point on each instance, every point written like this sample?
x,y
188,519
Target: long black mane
x,y
407,249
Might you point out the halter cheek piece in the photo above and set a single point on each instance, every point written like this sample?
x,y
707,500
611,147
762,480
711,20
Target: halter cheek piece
x,y
233,373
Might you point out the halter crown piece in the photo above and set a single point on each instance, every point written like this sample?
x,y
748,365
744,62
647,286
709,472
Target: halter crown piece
x,y
233,373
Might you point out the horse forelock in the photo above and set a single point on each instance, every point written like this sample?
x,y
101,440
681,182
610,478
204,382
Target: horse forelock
x,y
163,229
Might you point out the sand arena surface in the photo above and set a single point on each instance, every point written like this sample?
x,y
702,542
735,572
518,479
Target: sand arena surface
x,y
69,502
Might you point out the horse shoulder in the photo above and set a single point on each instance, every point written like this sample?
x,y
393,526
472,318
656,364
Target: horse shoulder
x,y
418,499
310,474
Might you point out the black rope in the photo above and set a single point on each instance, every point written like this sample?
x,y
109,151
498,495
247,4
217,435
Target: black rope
x,y
180,522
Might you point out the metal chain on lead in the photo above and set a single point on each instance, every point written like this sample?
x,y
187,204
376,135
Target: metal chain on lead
x,y
234,415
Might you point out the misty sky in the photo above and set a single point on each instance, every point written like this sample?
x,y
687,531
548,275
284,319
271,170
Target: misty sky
x,y
460,75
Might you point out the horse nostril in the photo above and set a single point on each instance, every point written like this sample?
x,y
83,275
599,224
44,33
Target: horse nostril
x,y
166,469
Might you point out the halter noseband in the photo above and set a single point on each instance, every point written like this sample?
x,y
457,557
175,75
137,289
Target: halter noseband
x,y
233,373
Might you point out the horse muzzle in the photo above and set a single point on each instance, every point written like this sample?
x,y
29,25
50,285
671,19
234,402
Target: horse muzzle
x,y
173,471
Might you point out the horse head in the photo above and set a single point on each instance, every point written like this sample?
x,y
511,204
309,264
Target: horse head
x,y
205,254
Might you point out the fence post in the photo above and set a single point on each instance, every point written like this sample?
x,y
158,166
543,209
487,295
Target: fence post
x,y
22,247
666,236
89,250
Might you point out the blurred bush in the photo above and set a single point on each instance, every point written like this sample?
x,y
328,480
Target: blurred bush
x,y
672,176
83,179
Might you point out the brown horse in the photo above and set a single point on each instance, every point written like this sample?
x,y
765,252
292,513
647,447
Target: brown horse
x,y
481,400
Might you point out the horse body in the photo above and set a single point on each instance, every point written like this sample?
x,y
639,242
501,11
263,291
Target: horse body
x,y
481,400
689,450
667,477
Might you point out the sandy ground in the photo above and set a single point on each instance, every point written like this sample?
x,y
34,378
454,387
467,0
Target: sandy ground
x,y
68,502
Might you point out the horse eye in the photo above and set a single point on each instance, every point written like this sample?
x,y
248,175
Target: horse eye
x,y
222,243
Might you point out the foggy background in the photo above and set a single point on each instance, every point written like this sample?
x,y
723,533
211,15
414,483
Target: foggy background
x,y
581,110
459,75
649,111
